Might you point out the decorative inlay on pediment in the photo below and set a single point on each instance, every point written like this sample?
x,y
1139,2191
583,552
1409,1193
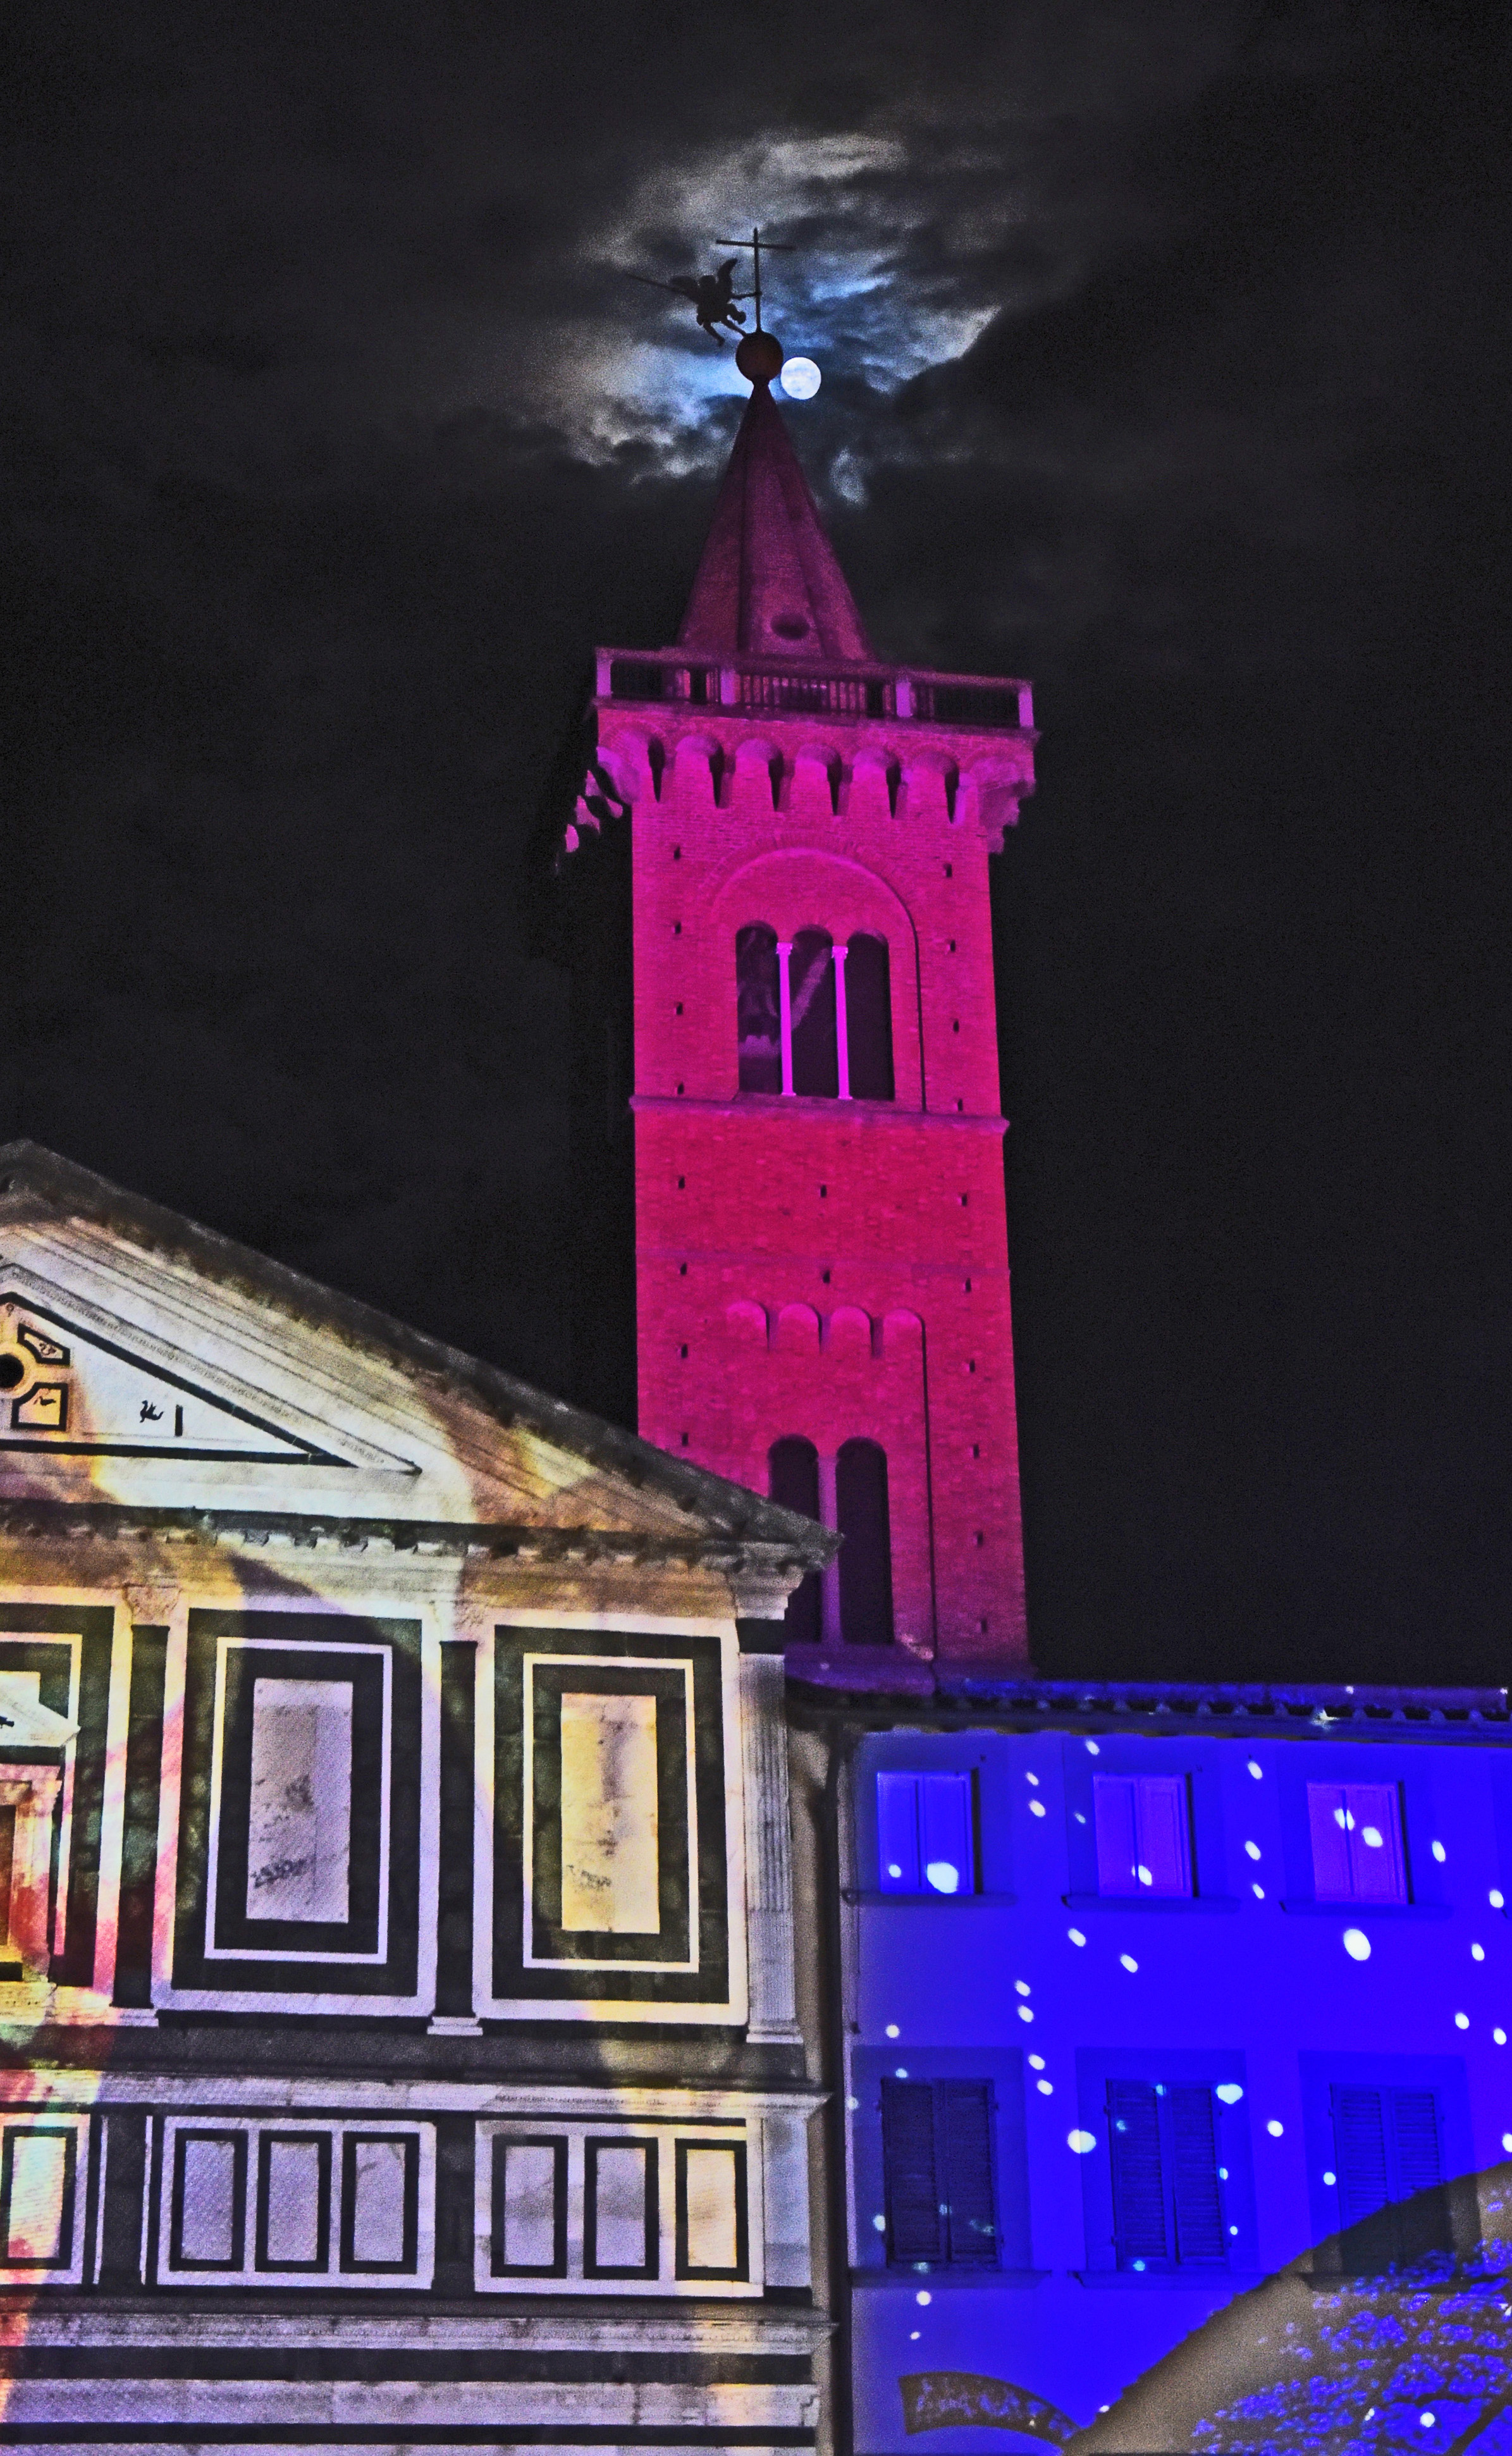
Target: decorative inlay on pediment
x,y
68,1388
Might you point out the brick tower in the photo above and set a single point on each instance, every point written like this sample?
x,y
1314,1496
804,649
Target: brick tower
x,y
821,1234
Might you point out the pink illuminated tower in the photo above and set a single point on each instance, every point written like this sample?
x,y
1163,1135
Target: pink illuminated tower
x,y
821,1234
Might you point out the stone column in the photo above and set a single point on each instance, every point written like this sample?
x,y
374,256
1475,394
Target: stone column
x,y
769,1866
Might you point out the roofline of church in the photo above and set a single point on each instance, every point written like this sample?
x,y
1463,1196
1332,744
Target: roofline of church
x,y
729,1511
882,1693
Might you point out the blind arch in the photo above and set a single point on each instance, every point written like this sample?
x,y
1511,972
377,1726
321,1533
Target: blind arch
x,y
866,1556
793,1470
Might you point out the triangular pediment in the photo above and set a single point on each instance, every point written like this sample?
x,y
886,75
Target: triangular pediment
x,y
148,1362
69,1387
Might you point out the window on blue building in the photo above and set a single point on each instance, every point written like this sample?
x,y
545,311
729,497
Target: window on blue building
x,y
938,2168
1167,2191
1144,1833
1389,2158
926,1842
1355,1833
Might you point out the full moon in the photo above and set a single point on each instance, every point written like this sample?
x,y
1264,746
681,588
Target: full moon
x,y
800,378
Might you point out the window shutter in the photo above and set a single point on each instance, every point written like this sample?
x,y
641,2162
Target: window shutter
x,y
1374,1836
1327,1808
946,1852
1163,1833
963,2113
913,2196
1138,2183
1414,2141
1113,1808
898,1832
1360,2150
1197,2198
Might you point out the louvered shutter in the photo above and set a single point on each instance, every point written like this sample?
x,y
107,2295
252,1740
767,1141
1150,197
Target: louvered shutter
x,y
1327,1812
1359,2151
1374,1835
1197,2199
915,2228
898,1832
1138,2182
1414,2141
947,1853
1163,1833
963,2129
1112,1810
1425,2223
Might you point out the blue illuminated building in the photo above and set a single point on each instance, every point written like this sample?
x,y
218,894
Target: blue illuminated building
x,y
1144,1994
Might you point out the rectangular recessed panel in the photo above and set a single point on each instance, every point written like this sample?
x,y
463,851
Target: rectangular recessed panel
x,y
947,1849
527,2204
713,2208
377,2206
610,1866
619,2183
1374,1822
1162,1807
299,1843
37,2207
292,2219
206,2229
1113,1819
1328,1828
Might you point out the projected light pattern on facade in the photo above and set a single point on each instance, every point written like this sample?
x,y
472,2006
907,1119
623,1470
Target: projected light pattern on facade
x,y
366,1719
1218,2162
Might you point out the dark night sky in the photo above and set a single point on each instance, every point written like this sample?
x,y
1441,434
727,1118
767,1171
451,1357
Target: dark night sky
x,y
1166,349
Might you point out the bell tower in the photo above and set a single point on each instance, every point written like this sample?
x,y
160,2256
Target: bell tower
x,y
821,1234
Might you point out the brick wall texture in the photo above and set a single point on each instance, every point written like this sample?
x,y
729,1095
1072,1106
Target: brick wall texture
x,y
819,1267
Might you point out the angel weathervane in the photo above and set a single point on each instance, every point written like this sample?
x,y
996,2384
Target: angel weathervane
x,y
713,295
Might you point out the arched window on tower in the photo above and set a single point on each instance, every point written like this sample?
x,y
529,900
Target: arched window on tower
x,y
811,979
813,1018
757,1009
866,1556
869,1020
793,1473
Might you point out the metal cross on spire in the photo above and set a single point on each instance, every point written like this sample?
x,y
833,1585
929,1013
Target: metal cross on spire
x,y
755,243
713,295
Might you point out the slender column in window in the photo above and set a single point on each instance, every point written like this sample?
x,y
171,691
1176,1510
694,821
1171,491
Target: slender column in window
x,y
842,1035
785,950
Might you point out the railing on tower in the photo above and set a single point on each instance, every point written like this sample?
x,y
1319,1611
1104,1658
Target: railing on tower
x,y
762,685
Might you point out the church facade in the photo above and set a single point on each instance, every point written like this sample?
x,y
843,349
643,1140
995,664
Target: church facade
x,y
398,2020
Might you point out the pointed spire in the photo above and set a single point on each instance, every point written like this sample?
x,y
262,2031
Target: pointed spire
x,y
769,585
